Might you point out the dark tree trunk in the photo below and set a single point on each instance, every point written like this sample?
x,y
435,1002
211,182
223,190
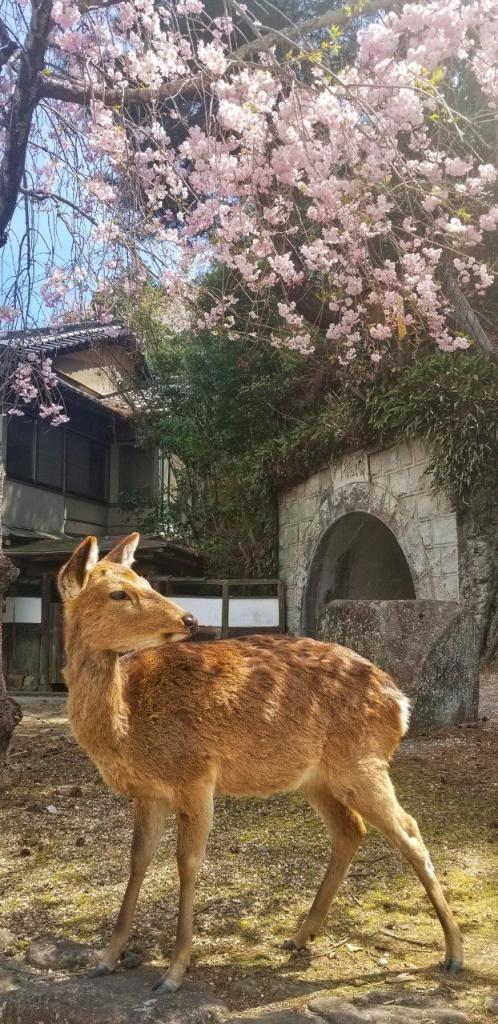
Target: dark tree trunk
x,y
10,711
10,716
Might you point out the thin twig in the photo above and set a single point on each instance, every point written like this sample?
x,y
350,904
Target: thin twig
x,y
404,938
328,952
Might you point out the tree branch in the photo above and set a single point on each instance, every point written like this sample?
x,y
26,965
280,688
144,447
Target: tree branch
x,y
8,46
294,33
78,92
41,196
23,103
466,318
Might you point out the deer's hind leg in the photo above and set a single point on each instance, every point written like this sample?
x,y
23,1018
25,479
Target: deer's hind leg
x,y
372,795
346,831
150,817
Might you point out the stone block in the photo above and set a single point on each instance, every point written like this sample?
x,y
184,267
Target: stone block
x,y
291,556
288,535
294,512
449,559
425,586
304,529
293,620
426,506
443,503
418,481
447,588
425,530
313,486
309,508
390,460
405,455
419,450
444,530
417,557
399,482
354,467
375,463
429,647
325,481
434,559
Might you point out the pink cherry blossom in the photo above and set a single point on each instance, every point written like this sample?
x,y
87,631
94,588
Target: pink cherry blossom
x,y
65,14
349,187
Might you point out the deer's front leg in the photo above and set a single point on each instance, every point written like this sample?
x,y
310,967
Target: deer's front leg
x,y
150,817
194,821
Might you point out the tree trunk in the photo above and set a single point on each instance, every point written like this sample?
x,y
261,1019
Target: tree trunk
x,y
10,711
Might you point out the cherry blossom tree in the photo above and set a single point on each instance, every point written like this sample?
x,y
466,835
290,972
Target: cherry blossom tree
x,y
341,158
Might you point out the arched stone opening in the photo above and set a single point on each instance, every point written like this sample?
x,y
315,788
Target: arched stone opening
x,y
357,558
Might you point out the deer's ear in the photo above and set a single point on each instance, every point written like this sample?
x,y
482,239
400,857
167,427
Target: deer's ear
x,y
124,551
73,576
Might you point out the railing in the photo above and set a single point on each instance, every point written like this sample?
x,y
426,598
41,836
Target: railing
x,y
170,585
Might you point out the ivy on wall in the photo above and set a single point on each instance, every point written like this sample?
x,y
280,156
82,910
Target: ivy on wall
x,y
450,400
243,421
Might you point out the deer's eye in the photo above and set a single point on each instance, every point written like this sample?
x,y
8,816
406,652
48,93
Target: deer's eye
x,y
118,595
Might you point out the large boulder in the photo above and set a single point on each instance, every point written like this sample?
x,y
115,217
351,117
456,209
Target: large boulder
x,y
122,998
429,647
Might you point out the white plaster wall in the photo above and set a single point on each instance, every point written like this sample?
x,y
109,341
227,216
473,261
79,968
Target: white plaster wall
x,y
22,609
242,611
392,484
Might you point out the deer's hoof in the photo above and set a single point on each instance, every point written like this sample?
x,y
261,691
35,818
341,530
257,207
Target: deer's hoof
x,y
165,985
101,971
129,961
452,966
296,946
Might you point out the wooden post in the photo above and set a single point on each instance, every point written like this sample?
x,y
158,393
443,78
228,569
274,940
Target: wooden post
x,y
44,672
225,607
55,645
281,607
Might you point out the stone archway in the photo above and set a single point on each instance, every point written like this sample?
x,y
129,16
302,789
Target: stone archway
x,y
362,497
370,557
357,558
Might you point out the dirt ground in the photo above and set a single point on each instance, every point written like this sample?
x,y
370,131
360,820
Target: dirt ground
x,y
64,841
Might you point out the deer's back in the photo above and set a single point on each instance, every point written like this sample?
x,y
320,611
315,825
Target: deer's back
x,y
259,713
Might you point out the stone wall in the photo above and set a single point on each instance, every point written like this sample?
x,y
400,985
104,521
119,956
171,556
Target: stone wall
x,y
393,485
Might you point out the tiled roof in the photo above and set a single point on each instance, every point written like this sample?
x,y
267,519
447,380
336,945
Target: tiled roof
x,y
71,337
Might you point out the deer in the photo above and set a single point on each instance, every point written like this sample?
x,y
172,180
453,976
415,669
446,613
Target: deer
x,y
172,722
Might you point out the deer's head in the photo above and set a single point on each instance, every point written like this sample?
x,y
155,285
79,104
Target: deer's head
x,y
113,608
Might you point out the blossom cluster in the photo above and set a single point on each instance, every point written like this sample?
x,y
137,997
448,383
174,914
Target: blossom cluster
x,y
354,185
32,379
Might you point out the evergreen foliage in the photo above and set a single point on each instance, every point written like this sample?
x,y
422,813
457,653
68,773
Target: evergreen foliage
x,y
241,420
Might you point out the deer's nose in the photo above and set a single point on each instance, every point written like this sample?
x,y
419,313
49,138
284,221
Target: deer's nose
x,y
190,622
